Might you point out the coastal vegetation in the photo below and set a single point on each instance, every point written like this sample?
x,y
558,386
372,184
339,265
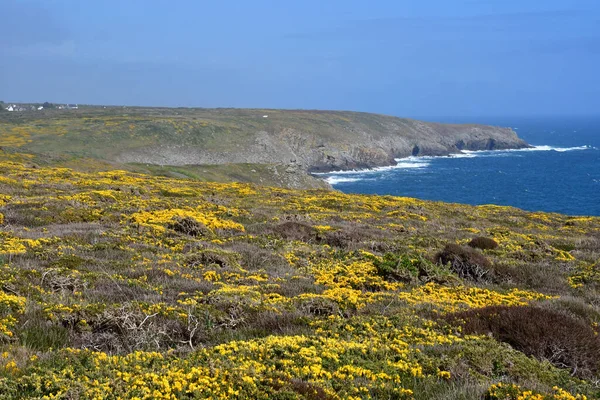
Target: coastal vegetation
x,y
128,272
119,284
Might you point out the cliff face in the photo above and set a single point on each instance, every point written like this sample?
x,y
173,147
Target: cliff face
x,y
310,140
403,138
344,141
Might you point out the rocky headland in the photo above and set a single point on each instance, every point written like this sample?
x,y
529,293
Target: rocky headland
x,y
302,141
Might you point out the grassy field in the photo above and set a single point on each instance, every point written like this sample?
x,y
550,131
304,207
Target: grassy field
x,y
115,284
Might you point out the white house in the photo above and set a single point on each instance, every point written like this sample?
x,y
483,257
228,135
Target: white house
x,y
10,108
40,108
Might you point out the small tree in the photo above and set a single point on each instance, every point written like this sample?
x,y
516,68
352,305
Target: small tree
x,y
48,105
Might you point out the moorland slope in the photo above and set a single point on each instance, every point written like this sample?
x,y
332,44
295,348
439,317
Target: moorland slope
x,y
122,285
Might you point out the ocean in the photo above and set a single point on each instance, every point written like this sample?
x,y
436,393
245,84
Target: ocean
x,y
560,174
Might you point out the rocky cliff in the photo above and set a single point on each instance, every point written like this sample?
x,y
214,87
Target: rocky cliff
x,y
309,140
321,141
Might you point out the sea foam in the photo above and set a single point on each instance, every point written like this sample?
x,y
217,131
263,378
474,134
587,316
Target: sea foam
x,y
334,180
417,163
402,163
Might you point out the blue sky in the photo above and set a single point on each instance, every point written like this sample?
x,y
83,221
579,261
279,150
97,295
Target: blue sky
x,y
406,58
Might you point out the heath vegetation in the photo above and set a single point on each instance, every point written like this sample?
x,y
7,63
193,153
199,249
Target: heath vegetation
x,y
115,284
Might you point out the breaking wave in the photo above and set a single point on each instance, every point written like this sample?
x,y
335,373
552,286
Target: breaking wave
x,y
420,163
334,180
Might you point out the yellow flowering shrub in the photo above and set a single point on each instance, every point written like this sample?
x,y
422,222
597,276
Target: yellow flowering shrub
x,y
502,391
102,295
158,219
11,307
450,299
14,245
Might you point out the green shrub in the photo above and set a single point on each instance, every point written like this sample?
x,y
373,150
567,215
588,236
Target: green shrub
x,y
37,333
577,308
404,268
68,261
542,276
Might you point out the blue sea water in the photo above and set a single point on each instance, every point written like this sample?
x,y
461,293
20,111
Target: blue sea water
x,y
560,174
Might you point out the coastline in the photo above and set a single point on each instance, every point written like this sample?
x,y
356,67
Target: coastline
x,y
543,178
336,177
461,154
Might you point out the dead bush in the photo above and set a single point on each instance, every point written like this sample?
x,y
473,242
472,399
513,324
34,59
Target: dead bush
x,y
231,310
30,214
343,239
483,243
318,306
62,281
128,328
353,237
188,226
292,388
309,391
544,333
292,230
219,258
466,262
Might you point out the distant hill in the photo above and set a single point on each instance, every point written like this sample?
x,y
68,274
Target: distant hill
x,y
309,140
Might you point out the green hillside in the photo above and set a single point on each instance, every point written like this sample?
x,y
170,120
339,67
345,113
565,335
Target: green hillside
x,y
311,140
